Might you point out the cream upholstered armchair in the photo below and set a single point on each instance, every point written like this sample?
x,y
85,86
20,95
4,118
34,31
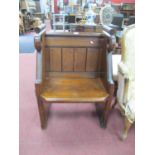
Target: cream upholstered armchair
x,y
126,79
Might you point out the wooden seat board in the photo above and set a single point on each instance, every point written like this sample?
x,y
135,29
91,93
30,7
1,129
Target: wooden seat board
x,y
74,90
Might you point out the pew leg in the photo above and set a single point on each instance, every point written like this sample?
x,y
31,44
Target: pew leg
x,y
127,126
99,112
103,113
106,111
43,113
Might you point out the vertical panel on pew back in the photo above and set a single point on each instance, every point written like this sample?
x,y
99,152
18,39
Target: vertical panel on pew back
x,y
55,59
79,59
47,59
92,59
67,59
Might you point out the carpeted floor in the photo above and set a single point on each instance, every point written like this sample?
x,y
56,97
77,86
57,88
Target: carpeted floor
x,y
73,129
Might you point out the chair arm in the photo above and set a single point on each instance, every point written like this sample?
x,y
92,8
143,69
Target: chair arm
x,y
109,78
110,82
124,70
39,68
38,46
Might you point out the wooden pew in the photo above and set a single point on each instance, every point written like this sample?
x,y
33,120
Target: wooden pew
x,y
73,68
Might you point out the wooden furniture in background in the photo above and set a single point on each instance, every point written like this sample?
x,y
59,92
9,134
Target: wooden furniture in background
x,y
73,68
128,9
21,24
86,28
59,20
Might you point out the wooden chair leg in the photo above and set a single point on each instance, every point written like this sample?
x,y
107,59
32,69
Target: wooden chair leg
x,y
115,102
127,126
42,113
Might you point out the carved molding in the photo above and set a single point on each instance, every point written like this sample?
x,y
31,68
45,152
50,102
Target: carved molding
x,y
109,45
37,43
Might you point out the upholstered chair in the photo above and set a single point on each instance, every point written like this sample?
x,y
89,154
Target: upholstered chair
x,y
126,79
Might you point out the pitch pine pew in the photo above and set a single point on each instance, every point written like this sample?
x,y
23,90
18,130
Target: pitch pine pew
x,y
73,68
